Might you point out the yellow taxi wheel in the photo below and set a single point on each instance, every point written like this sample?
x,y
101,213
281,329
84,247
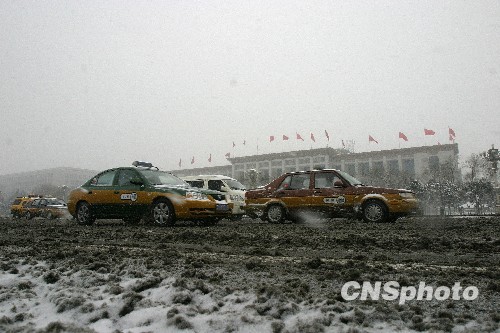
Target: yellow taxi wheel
x,y
374,211
275,214
162,212
84,214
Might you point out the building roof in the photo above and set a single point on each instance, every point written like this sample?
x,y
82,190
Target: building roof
x,y
344,153
288,154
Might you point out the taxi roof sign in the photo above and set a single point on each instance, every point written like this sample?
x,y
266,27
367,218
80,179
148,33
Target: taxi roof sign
x,y
142,164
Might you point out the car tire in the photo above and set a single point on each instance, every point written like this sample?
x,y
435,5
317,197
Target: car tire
x,y
84,214
162,213
374,211
275,214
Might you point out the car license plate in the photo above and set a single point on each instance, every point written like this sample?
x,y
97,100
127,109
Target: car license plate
x,y
222,207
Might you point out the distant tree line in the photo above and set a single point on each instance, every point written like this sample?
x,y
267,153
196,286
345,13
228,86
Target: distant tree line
x,y
441,187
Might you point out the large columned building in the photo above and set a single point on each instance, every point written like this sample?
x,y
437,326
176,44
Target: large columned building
x,y
417,163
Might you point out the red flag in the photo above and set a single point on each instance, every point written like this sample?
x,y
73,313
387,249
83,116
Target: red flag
x,y
451,132
299,137
402,136
327,136
233,144
452,137
370,138
210,158
312,137
192,160
271,138
285,137
228,155
429,132
180,162
244,142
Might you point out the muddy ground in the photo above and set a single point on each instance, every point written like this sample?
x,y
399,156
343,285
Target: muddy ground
x,y
276,271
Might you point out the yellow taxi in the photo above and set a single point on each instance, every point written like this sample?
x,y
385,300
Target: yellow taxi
x,y
46,207
18,206
329,193
144,191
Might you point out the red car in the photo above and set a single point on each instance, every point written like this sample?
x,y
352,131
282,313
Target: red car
x,y
328,193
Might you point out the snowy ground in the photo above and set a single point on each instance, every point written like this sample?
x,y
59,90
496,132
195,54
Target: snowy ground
x,y
243,276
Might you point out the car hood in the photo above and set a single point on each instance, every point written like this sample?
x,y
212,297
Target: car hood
x,y
179,189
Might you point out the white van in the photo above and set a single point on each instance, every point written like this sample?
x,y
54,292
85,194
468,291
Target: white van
x,y
235,191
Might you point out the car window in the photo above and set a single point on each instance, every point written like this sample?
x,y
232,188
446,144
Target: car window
x,y
104,179
353,181
235,185
325,180
295,182
285,184
196,183
125,176
215,184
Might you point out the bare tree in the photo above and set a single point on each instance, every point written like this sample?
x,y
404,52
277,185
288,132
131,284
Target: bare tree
x,y
477,167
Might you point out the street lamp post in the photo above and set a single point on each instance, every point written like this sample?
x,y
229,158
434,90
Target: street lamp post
x,y
493,157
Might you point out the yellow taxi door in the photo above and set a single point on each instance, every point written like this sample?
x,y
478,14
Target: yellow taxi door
x,y
129,198
329,195
101,193
295,191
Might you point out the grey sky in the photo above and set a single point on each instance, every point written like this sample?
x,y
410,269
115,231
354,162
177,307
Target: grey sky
x,y
96,84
